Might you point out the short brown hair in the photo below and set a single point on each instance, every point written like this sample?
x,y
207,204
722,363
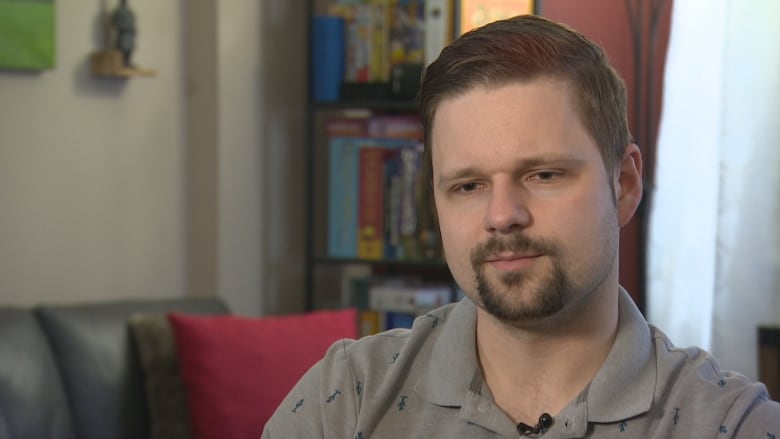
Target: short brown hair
x,y
523,48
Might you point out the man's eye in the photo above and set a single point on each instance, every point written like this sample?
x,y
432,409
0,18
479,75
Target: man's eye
x,y
467,187
544,175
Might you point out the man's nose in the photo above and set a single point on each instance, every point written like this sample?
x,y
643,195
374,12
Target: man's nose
x,y
507,209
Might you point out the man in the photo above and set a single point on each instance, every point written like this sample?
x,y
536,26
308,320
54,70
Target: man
x,y
533,173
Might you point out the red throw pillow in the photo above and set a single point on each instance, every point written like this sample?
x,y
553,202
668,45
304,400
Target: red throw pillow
x,y
237,369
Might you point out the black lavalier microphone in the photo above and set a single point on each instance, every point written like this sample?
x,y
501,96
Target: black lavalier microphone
x,y
545,420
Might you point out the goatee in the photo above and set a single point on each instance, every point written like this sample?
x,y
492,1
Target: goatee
x,y
521,297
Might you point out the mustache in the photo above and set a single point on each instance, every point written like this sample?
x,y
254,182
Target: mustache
x,y
516,243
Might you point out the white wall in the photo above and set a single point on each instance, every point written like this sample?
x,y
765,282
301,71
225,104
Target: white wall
x,y
283,88
261,81
97,185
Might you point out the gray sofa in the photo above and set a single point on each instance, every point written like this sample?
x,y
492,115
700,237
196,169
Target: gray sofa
x,y
73,371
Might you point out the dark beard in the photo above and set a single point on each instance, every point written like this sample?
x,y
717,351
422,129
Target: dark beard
x,y
550,297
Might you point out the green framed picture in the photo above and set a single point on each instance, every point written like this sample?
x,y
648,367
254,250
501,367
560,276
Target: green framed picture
x,y
27,34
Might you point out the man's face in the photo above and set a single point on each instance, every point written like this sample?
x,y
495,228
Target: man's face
x,y
527,213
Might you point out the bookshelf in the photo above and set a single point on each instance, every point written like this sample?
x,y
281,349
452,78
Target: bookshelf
x,y
370,223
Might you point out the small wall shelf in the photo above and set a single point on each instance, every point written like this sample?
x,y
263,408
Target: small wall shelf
x,y
108,63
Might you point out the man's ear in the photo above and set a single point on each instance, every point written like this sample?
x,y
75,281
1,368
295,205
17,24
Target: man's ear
x,y
628,183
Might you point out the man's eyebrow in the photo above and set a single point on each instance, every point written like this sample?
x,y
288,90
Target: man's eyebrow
x,y
550,160
459,173
520,165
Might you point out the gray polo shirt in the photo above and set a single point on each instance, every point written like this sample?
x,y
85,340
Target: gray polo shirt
x,y
426,383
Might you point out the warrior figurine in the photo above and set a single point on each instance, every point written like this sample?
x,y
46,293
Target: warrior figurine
x,y
123,21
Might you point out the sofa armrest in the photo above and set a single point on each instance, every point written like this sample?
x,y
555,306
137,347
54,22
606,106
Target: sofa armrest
x,y
32,400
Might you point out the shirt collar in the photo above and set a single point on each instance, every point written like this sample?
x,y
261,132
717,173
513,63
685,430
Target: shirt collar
x,y
622,388
625,384
449,373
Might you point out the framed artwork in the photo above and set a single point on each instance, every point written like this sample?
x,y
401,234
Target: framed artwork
x,y
27,34
475,13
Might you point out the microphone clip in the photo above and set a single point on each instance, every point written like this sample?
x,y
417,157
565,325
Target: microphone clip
x,y
545,421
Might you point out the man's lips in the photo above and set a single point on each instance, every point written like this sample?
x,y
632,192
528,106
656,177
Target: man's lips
x,y
512,262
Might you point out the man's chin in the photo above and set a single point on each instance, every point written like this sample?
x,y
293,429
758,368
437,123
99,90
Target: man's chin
x,y
511,309
519,300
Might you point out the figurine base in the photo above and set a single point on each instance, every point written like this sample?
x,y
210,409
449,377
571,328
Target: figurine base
x,y
109,63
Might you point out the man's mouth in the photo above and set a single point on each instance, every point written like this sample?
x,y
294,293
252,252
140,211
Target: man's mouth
x,y
511,254
512,261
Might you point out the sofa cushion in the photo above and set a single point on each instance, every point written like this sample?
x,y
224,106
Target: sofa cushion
x,y
165,393
32,401
238,369
99,363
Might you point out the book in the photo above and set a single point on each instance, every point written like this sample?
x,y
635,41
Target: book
x,y
408,298
355,283
412,192
327,57
342,199
370,322
347,126
358,28
407,30
370,237
358,292
438,28
394,250
395,127
379,41
394,319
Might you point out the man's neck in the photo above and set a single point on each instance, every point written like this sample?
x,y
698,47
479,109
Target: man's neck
x,y
531,371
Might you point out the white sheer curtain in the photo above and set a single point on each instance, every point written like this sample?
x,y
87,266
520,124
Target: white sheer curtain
x,y
714,237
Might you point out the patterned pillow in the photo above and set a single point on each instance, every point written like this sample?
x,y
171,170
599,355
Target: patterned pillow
x,y
166,395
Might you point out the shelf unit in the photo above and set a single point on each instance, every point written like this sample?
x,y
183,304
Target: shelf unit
x,y
326,275
325,272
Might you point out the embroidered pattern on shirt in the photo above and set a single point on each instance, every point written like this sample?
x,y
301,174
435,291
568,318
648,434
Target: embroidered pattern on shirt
x,y
622,426
395,357
333,396
676,415
298,405
723,429
402,403
359,388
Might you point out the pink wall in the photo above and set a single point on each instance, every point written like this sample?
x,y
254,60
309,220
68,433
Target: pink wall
x,y
607,22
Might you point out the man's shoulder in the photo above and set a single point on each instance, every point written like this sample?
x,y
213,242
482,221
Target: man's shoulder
x,y
692,382
693,368
400,344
